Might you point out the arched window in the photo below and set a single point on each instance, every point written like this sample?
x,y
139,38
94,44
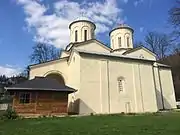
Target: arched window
x,y
76,36
113,42
85,35
92,34
127,41
119,41
121,84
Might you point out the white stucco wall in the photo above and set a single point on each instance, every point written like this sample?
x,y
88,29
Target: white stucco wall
x,y
139,94
74,81
167,88
146,95
121,101
95,80
90,85
158,87
58,66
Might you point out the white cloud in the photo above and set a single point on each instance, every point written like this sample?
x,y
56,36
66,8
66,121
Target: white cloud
x,y
150,3
53,28
9,70
125,1
141,29
137,2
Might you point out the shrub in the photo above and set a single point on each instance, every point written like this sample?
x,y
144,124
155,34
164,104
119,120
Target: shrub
x,y
122,113
10,114
1,114
131,113
42,116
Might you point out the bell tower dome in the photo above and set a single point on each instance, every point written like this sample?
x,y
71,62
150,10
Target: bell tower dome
x,y
121,37
81,30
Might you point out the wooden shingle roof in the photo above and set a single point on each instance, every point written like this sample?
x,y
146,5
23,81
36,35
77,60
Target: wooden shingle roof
x,y
41,83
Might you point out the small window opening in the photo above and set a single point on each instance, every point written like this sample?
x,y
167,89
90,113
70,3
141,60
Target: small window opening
x,y
76,36
119,41
24,98
85,35
127,41
113,42
120,84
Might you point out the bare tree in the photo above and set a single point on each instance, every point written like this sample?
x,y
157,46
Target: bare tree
x,y
138,44
174,19
25,73
43,52
158,43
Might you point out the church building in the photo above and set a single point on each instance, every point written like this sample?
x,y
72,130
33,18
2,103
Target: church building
x,y
109,79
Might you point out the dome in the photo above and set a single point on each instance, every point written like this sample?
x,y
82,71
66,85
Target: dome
x,y
82,19
122,26
125,26
121,37
81,29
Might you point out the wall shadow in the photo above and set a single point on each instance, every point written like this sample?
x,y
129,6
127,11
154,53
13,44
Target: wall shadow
x,y
80,107
74,107
162,102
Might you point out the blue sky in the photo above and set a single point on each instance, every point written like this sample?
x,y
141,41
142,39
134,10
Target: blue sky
x,y
25,22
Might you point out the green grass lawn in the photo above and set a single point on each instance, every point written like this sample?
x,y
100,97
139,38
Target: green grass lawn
x,y
159,124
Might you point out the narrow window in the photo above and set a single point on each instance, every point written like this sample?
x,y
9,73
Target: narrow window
x,y
120,84
119,41
11,93
85,35
113,42
76,36
92,34
127,41
24,98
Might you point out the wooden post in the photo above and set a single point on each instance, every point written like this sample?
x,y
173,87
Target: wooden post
x,y
14,98
36,101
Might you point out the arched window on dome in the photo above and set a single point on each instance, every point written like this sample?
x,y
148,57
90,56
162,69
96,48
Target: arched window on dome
x,y
119,41
113,43
128,44
92,33
121,84
76,36
85,35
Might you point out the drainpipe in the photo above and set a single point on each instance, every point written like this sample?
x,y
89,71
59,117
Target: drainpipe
x,y
109,105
